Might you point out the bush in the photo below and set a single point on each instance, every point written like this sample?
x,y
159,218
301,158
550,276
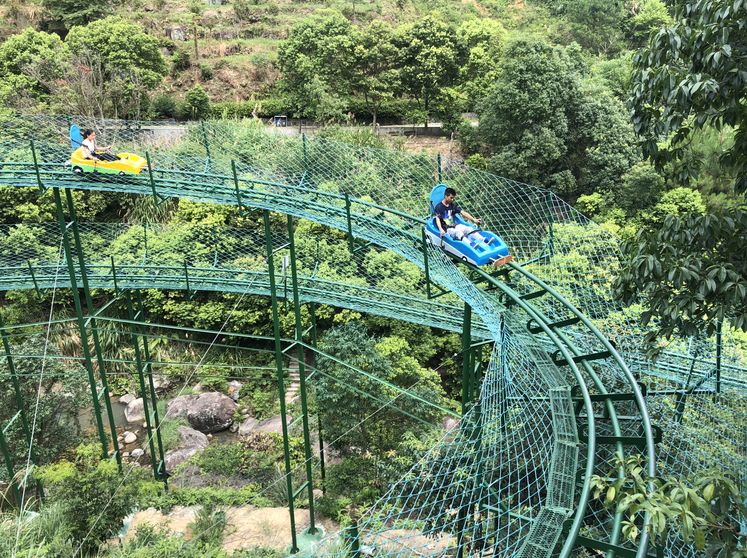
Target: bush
x,y
206,72
180,61
197,103
163,106
92,494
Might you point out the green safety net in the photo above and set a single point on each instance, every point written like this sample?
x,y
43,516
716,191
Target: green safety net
x,y
513,478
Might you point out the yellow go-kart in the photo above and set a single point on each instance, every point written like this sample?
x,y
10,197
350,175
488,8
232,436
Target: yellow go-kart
x,y
126,163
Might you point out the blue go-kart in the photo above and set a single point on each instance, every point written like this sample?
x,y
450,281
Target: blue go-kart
x,y
486,249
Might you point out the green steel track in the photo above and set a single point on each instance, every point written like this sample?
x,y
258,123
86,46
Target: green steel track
x,y
587,405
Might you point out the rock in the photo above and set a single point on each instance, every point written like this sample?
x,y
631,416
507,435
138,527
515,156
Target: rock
x,y
234,428
450,424
127,399
209,436
234,389
137,453
176,33
274,424
247,426
134,411
130,438
178,407
198,388
145,425
125,454
179,456
191,438
211,412
318,494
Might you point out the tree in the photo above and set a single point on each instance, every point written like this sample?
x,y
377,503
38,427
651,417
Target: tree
x,y
429,60
482,39
640,189
197,102
648,16
369,423
65,14
542,123
375,73
689,274
596,24
316,62
29,61
693,74
93,496
118,60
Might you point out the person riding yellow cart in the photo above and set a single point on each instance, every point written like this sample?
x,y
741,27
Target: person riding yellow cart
x,y
123,164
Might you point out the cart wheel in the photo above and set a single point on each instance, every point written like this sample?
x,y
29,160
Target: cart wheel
x,y
77,170
122,173
464,259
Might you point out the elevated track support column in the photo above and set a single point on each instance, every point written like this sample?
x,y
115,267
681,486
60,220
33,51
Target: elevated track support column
x,y
147,392
280,380
82,328
301,356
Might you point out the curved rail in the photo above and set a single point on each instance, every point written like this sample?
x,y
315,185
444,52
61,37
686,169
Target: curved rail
x,y
391,229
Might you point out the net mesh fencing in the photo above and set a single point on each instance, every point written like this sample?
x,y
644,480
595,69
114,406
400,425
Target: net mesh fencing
x,y
385,193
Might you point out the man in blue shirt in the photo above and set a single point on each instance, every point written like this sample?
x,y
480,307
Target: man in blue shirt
x,y
446,212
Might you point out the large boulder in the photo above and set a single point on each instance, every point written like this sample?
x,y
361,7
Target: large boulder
x,y
274,424
179,406
211,412
134,412
248,426
178,456
191,438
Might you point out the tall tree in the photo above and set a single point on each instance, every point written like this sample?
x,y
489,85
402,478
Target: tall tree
x,y
694,74
63,15
430,60
375,73
316,61
117,58
29,61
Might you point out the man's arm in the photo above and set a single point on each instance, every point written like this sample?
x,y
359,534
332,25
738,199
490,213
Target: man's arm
x,y
470,217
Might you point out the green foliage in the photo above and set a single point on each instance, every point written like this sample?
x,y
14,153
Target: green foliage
x,y
163,106
45,535
197,103
543,124
29,63
596,24
315,61
375,74
691,75
208,527
650,16
69,13
704,512
92,495
430,59
150,542
640,188
344,408
690,274
63,391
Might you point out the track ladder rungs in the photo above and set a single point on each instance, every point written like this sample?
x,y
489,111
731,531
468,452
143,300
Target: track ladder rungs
x,y
534,329
580,358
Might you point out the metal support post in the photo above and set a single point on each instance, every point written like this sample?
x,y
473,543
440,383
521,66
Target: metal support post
x,y
5,451
94,329
719,341
322,467
305,156
466,359
144,392
206,145
36,167
302,373
550,236
33,278
16,384
426,268
164,475
87,360
438,160
353,534
280,380
351,240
